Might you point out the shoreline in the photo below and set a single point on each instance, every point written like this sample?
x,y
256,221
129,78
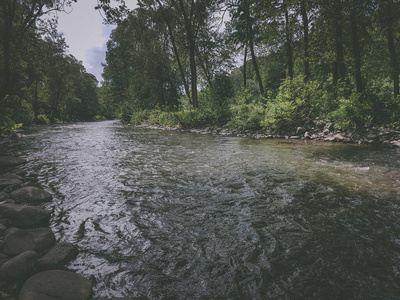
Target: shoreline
x,y
325,132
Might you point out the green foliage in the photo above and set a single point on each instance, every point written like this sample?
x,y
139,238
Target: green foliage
x,y
376,107
248,111
296,103
42,119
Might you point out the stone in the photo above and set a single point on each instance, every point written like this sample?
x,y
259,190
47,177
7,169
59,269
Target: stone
x,y
2,229
12,187
25,217
30,194
19,266
294,137
339,137
56,285
11,161
17,241
3,196
330,126
307,135
396,144
5,182
59,255
10,176
329,139
326,131
300,130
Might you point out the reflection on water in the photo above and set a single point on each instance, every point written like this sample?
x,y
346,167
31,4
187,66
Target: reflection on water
x,y
165,214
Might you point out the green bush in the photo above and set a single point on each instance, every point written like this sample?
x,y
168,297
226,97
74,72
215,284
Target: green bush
x,y
295,104
42,119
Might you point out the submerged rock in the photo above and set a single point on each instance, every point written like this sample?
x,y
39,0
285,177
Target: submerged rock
x,y
25,216
10,161
30,194
56,285
18,241
19,265
59,255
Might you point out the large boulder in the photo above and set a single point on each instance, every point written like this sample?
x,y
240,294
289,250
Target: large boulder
x,y
10,161
25,216
3,196
59,255
19,266
17,241
30,194
56,285
4,182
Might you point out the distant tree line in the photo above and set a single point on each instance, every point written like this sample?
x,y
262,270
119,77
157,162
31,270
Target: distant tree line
x,y
274,62
39,80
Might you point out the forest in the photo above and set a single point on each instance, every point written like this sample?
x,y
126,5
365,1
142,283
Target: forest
x,y
243,64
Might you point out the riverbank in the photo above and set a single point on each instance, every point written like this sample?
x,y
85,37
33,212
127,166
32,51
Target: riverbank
x,y
32,263
321,131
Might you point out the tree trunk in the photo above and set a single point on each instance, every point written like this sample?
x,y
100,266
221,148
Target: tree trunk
x,y
7,75
356,49
289,50
176,54
245,67
251,44
306,42
339,66
392,50
193,73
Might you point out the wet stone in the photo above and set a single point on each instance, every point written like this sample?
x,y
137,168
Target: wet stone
x,y
30,194
25,216
17,241
3,196
59,255
10,161
19,265
56,285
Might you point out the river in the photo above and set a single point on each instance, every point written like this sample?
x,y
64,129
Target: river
x,y
171,215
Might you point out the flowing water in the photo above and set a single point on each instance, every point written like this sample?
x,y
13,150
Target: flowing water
x,y
172,215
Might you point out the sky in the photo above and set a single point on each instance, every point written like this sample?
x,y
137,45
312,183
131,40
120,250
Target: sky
x,y
86,35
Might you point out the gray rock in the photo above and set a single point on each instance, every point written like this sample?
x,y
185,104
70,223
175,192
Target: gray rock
x,y
3,196
59,255
12,187
2,229
56,285
7,182
307,135
10,161
25,216
10,176
329,139
294,137
300,130
3,258
396,144
339,137
19,265
30,194
17,241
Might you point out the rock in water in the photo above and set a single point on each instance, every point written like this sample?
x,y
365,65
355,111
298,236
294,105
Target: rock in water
x,y
18,241
30,194
19,265
10,161
56,285
59,255
25,216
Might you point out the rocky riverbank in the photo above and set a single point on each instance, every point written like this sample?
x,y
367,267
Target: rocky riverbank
x,y
318,131
32,262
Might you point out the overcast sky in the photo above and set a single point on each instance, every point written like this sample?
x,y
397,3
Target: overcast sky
x,y
86,35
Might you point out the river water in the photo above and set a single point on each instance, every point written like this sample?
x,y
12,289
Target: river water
x,y
171,215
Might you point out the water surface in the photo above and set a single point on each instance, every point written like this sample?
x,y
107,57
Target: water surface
x,y
171,215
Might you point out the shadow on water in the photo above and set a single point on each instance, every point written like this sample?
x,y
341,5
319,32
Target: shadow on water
x,y
170,215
